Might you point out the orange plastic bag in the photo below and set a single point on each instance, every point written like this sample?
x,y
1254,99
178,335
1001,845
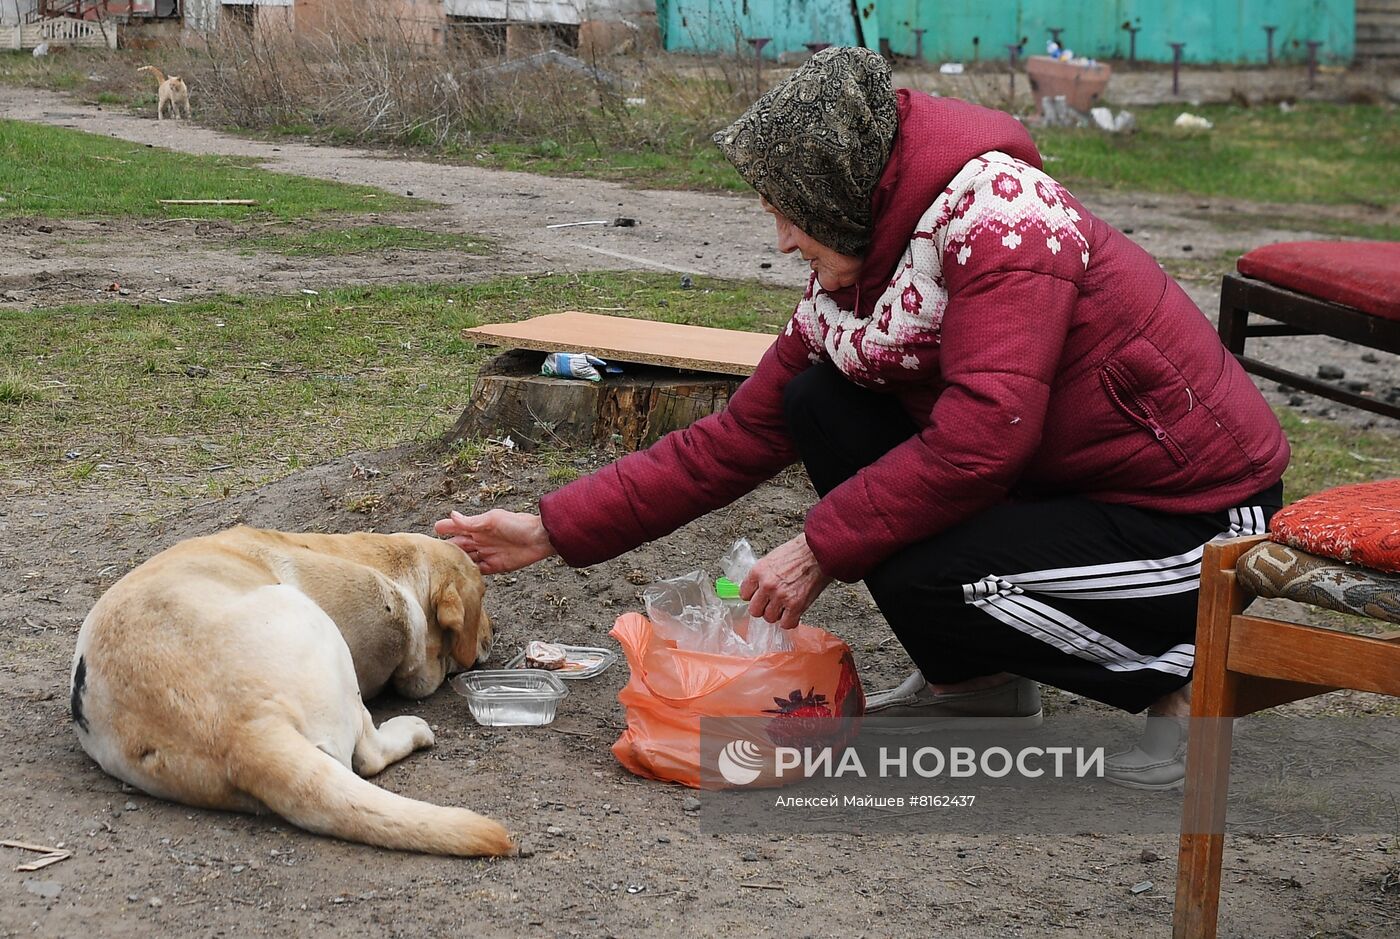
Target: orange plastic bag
x,y
800,697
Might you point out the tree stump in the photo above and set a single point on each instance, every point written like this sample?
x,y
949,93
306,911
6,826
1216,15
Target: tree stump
x,y
628,411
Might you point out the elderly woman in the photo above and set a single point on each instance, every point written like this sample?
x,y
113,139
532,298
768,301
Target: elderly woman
x,y
1021,430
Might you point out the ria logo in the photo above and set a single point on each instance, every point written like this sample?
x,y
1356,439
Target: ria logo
x,y
740,762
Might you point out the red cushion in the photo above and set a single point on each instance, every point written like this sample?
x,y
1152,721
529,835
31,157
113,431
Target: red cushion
x,y
1360,274
1358,524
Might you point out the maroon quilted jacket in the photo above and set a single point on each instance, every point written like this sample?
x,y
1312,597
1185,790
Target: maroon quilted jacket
x,y
1041,351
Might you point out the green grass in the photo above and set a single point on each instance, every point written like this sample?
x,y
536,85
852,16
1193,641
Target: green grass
x,y
267,385
1319,154
60,173
1325,154
15,391
680,163
360,240
1301,219
1327,454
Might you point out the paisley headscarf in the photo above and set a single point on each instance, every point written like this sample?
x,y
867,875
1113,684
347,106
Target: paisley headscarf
x,y
816,143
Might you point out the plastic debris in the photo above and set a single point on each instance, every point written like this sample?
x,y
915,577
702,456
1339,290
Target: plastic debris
x,y
574,365
689,611
622,221
1056,112
1105,119
1064,54
951,68
1143,887
1188,121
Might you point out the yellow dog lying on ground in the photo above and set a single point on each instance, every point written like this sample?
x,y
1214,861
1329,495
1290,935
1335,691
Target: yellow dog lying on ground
x,y
229,672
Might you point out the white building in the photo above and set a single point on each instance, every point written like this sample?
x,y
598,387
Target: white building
x,y
14,12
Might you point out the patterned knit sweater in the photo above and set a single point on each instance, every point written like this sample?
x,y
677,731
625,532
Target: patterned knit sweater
x,y
1041,352
1006,209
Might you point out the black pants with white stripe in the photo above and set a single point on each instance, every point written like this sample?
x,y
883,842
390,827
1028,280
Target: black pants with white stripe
x,y
1093,598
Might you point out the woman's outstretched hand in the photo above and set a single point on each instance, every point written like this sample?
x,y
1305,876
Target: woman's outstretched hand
x,y
498,541
784,583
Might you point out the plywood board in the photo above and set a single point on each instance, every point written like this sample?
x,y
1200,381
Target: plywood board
x,y
619,339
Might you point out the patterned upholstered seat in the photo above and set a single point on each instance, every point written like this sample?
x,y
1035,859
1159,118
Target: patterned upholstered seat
x,y
1275,570
1338,549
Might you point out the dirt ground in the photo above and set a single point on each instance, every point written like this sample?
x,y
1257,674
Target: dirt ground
x,y
606,854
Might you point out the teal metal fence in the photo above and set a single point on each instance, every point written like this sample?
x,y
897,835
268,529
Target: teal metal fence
x,y
726,25
1214,31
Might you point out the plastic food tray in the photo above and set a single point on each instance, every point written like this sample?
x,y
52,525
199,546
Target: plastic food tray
x,y
579,662
511,697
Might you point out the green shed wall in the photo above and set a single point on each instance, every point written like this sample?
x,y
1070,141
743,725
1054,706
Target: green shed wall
x,y
1215,31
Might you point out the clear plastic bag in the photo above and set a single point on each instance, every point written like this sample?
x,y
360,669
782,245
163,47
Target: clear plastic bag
x,y
687,611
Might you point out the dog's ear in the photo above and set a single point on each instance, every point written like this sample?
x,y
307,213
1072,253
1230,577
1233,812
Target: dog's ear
x,y
459,617
449,608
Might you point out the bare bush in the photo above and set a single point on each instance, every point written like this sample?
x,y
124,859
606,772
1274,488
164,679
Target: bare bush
x,y
364,77
370,76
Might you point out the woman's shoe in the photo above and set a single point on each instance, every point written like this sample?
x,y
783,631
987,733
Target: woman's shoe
x,y
1157,762
912,708
903,694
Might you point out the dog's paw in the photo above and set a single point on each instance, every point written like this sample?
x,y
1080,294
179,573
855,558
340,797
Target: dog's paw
x,y
414,728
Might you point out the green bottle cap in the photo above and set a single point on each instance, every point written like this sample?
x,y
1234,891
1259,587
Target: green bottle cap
x,y
726,589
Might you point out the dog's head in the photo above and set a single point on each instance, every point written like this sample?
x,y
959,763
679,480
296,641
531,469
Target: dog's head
x,y
459,631
448,618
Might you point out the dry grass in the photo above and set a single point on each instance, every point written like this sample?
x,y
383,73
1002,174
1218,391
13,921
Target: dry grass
x,y
370,79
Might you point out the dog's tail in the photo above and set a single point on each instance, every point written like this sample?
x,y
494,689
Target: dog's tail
x,y
160,76
311,789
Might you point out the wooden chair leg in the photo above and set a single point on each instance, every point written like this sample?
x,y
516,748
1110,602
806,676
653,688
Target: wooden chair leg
x,y
1233,323
1233,329
1214,702
1201,848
